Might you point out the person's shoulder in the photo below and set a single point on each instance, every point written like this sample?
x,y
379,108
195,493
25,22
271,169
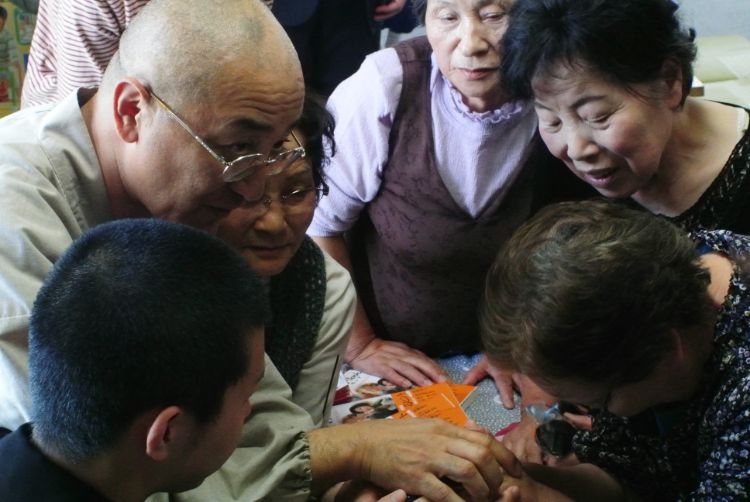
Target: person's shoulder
x,y
32,136
378,79
10,440
385,62
27,474
414,49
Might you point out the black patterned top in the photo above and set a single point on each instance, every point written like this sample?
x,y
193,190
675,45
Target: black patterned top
x,y
705,454
726,202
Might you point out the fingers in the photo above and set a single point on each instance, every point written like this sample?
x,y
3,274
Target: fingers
x,y
505,383
425,457
398,363
395,496
522,440
477,373
579,421
507,393
503,380
362,491
432,488
511,494
507,459
481,471
473,426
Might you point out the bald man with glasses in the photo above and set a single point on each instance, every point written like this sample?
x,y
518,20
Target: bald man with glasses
x,y
188,122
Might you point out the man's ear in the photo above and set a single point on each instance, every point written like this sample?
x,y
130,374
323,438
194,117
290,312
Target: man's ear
x,y
130,97
673,78
161,432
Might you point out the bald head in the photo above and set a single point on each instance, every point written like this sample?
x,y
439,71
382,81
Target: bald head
x,y
182,50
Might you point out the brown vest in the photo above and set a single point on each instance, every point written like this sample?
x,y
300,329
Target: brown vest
x,y
425,258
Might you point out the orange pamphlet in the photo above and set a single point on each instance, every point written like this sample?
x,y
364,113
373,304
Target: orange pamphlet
x,y
433,401
360,396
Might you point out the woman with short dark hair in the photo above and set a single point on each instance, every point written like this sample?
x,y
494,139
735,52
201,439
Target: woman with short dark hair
x,y
610,80
620,312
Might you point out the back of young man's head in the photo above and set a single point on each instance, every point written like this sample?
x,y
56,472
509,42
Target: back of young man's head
x,y
137,315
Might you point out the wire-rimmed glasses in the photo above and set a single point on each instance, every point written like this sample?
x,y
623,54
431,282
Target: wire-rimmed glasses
x,y
301,200
244,165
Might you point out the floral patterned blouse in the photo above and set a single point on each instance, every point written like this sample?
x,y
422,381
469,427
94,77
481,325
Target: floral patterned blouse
x,y
726,202
705,454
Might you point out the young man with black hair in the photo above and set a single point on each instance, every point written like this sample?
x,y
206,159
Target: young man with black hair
x,y
107,425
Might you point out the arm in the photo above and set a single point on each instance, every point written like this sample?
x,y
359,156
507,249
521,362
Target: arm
x,y
521,440
353,175
72,44
36,226
582,483
416,455
724,469
366,352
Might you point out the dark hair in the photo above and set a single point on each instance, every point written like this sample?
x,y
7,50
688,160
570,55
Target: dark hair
x,y
3,13
353,408
626,41
137,314
317,123
589,290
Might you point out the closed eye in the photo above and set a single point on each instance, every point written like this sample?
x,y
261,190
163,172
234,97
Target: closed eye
x,y
601,119
298,195
236,150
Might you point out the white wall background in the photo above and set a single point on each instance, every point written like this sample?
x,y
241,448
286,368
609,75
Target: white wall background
x,y
717,17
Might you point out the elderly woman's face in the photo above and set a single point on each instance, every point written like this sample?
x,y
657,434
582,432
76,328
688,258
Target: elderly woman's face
x,y
269,233
610,137
465,36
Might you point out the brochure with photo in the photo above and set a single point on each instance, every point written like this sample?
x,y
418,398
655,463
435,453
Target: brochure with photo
x,y
360,396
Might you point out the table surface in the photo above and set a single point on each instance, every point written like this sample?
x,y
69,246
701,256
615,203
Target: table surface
x,y
485,408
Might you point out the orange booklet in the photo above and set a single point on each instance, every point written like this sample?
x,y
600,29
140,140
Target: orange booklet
x,y
364,397
440,400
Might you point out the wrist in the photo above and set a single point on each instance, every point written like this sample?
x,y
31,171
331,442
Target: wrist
x,y
336,454
357,344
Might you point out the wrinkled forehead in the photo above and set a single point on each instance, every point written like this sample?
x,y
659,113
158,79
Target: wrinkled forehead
x,y
261,101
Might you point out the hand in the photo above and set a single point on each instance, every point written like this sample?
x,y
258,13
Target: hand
x,y
504,380
582,422
522,440
420,456
398,363
383,12
362,491
568,460
510,494
526,489
395,496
